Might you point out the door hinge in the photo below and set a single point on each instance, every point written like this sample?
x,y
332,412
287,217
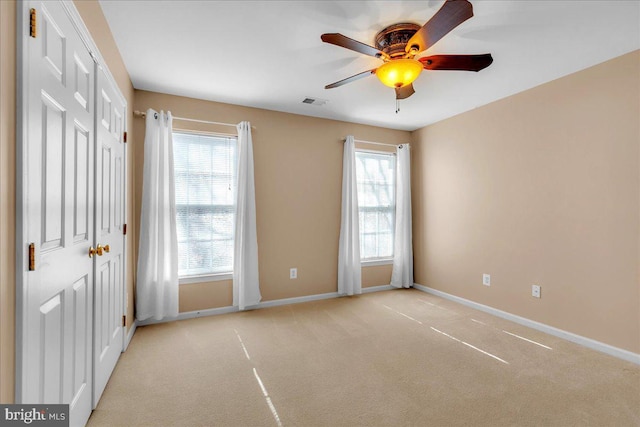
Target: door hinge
x,y
124,137
32,25
124,229
124,320
32,257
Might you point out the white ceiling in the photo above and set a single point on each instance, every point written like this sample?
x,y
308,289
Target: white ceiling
x,y
268,54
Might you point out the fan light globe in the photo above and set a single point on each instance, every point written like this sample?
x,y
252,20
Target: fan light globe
x,y
399,72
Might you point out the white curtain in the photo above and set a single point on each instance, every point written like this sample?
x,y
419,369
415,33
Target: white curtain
x,y
246,285
349,273
157,278
402,274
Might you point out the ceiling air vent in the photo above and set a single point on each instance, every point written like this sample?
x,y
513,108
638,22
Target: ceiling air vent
x,y
314,101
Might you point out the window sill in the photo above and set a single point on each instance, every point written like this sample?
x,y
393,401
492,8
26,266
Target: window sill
x,y
376,261
205,278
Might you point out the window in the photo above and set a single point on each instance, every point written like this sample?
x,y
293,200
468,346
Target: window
x,y
205,170
376,174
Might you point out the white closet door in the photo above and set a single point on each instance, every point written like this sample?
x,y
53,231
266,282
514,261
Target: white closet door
x,y
58,206
110,208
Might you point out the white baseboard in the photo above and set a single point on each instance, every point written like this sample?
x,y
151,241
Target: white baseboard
x,y
307,298
265,304
132,330
377,288
294,300
191,315
569,336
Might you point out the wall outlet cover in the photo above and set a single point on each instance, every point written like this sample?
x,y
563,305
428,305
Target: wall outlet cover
x,y
293,273
535,291
486,279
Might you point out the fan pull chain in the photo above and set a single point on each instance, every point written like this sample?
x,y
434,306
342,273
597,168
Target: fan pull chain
x,y
397,106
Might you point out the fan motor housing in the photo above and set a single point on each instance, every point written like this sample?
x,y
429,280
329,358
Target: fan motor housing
x,y
393,39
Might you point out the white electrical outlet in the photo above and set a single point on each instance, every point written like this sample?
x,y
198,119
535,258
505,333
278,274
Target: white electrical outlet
x,y
293,273
535,291
486,279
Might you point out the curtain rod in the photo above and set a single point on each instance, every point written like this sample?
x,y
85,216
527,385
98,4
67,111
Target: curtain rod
x,y
373,143
142,114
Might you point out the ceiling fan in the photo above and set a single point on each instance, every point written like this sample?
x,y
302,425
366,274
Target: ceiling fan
x,y
399,44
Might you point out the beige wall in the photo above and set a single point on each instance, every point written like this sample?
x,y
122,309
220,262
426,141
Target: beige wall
x,y
539,188
7,198
94,19
298,175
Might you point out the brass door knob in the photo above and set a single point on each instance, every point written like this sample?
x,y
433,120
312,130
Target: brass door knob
x,y
107,248
99,249
92,251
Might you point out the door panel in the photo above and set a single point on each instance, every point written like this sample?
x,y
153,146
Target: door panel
x,y
110,179
53,139
102,294
81,160
81,301
82,82
118,201
52,348
105,181
54,43
58,183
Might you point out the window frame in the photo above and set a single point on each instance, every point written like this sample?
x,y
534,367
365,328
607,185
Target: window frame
x,y
370,262
207,277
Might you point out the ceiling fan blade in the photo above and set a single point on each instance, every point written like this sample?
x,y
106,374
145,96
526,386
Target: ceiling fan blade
x,y
450,15
351,79
344,41
405,91
457,62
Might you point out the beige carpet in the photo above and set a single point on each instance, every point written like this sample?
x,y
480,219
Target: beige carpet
x,y
394,358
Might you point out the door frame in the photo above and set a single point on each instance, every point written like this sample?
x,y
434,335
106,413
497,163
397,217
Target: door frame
x,y
22,133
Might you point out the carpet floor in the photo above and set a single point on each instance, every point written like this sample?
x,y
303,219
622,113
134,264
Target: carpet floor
x,y
392,358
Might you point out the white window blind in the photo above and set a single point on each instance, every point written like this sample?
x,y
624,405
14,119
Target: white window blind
x,y
376,174
205,172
